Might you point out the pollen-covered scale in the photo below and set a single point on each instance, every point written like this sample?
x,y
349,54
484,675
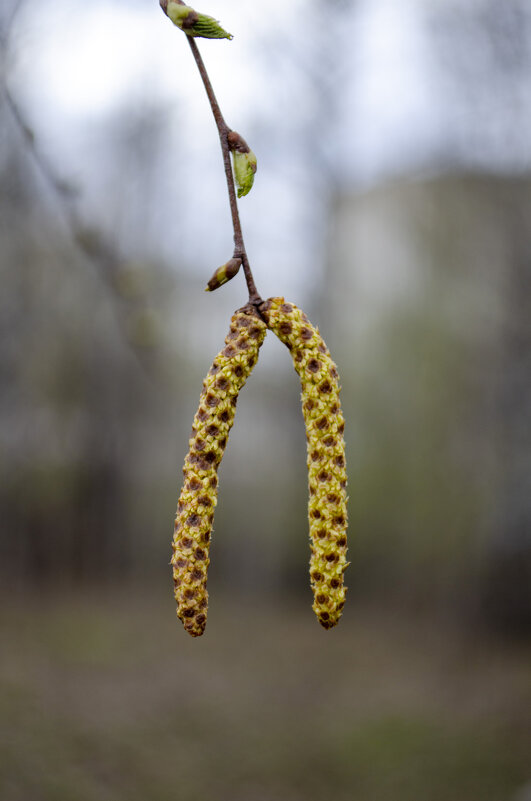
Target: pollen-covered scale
x,y
327,478
212,423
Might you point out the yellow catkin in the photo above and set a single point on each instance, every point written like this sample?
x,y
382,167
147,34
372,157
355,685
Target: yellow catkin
x,y
212,423
327,478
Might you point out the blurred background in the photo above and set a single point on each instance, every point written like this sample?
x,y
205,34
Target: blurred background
x,y
393,203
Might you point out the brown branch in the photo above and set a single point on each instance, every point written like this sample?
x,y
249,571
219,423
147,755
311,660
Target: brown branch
x,y
224,130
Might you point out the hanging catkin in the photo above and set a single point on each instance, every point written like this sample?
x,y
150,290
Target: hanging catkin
x,y
327,478
212,423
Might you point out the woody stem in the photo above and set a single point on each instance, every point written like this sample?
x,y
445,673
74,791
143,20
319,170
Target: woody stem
x,y
224,130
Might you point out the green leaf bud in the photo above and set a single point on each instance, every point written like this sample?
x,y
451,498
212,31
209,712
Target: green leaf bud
x,y
244,162
193,23
244,170
208,28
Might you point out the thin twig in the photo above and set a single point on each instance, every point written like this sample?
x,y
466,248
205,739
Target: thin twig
x,y
224,130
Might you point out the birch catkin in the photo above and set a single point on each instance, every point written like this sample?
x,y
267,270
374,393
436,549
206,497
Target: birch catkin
x,y
327,479
212,423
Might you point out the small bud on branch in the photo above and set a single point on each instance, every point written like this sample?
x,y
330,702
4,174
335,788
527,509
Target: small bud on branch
x,y
191,22
244,161
224,274
244,170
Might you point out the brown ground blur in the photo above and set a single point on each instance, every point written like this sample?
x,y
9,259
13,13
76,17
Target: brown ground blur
x,y
103,696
